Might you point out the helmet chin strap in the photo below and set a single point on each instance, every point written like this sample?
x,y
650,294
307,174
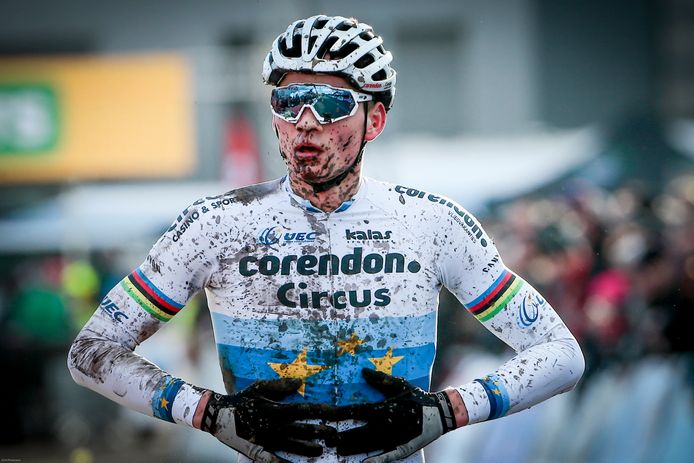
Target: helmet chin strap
x,y
325,186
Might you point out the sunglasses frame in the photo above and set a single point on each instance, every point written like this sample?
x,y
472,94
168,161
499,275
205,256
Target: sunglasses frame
x,y
357,96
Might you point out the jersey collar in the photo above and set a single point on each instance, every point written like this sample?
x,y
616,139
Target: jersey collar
x,y
306,204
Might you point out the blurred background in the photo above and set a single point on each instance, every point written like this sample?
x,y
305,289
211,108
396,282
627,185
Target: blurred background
x,y
566,127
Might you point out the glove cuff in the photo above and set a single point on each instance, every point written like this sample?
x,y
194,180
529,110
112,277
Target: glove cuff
x,y
446,411
209,415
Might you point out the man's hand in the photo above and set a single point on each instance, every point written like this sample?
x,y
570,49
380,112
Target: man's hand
x,y
409,419
255,424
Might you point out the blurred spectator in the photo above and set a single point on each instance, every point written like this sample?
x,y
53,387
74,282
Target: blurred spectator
x,y
37,313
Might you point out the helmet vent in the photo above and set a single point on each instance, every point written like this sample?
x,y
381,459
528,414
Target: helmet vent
x,y
344,26
344,51
380,75
329,42
366,35
295,51
364,61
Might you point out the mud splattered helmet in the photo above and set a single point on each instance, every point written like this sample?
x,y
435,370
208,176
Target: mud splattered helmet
x,y
334,45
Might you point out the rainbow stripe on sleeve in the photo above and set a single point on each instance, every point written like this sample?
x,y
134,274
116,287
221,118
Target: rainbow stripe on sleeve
x,y
495,298
149,297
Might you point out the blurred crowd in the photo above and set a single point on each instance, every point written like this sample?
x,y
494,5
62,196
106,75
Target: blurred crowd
x,y
45,300
618,265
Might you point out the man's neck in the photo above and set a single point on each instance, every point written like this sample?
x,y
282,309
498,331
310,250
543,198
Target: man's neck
x,y
332,198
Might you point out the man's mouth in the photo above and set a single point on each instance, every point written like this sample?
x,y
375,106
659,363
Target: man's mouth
x,y
307,151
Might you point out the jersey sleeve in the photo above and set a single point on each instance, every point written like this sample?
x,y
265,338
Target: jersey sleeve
x,y
102,357
548,360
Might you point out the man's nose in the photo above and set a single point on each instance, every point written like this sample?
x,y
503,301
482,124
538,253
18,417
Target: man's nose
x,y
307,120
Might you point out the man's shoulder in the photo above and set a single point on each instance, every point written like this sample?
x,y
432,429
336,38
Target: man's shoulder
x,y
248,194
237,199
425,209
407,196
208,212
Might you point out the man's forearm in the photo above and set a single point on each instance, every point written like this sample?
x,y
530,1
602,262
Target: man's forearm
x,y
116,372
532,376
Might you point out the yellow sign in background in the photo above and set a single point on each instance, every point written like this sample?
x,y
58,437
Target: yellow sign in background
x,y
113,117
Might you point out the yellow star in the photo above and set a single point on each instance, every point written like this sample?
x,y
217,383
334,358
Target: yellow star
x,y
385,364
299,368
350,345
163,403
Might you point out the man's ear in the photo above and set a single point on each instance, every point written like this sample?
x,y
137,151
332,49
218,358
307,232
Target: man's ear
x,y
375,121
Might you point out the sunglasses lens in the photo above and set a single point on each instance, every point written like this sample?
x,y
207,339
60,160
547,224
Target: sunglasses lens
x,y
328,102
334,103
287,102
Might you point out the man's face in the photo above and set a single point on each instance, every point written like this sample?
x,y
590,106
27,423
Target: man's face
x,y
316,153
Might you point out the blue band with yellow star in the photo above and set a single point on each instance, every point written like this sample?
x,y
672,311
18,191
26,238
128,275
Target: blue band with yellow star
x,y
499,402
327,355
162,401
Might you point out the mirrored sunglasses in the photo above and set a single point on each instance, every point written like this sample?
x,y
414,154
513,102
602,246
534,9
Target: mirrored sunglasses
x,y
329,104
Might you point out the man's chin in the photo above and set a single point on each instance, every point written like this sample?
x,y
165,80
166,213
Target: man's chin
x,y
311,177
314,176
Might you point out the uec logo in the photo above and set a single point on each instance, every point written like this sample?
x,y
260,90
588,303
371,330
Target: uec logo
x,y
273,235
270,235
530,310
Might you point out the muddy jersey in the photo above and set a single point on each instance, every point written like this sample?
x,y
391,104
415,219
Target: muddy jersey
x,y
296,292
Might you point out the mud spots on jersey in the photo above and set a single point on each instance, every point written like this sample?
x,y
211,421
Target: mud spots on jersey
x,y
457,213
154,264
251,193
89,356
97,357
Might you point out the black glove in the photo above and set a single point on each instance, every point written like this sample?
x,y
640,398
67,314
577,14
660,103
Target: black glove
x,y
255,424
407,420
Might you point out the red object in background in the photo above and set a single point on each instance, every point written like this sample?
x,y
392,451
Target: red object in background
x,y
241,160
607,293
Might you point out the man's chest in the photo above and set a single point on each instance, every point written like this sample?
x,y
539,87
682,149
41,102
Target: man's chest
x,y
329,268
320,299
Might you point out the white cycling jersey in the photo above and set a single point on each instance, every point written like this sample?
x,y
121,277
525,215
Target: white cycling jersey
x,y
296,292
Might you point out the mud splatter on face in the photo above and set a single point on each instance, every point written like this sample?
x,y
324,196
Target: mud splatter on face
x,y
317,153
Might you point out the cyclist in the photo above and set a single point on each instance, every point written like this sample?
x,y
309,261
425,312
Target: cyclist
x,y
323,287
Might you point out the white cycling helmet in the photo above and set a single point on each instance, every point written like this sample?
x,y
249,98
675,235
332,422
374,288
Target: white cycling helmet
x,y
333,45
